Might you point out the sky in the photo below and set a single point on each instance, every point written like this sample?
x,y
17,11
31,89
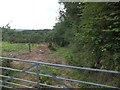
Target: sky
x,y
29,14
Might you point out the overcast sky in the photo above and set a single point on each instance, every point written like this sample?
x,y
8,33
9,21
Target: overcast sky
x,y
29,14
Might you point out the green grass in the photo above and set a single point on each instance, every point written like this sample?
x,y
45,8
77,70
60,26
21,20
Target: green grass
x,y
7,47
63,51
96,77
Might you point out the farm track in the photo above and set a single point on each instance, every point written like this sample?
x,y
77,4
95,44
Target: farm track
x,y
40,53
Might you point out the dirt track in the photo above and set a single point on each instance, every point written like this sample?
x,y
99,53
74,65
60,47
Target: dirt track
x,y
40,53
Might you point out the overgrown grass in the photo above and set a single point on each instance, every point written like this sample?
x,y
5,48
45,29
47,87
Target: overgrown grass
x,y
7,47
64,52
89,76
56,71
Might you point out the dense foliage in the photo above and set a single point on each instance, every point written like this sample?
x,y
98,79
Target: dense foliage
x,y
91,31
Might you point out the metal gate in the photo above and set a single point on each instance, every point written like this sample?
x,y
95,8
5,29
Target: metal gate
x,y
39,65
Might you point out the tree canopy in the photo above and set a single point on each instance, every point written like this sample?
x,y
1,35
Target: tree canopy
x,y
92,31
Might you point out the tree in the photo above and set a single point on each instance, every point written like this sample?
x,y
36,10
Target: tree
x,y
92,32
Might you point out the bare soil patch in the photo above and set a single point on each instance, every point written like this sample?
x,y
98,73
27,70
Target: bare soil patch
x,y
40,53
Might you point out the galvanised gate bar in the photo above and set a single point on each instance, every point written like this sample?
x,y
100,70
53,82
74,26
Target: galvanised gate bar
x,y
39,65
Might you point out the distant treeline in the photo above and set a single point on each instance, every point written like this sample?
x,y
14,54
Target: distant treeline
x,y
26,36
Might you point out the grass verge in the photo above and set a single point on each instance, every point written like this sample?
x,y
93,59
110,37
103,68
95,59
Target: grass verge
x,y
89,76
